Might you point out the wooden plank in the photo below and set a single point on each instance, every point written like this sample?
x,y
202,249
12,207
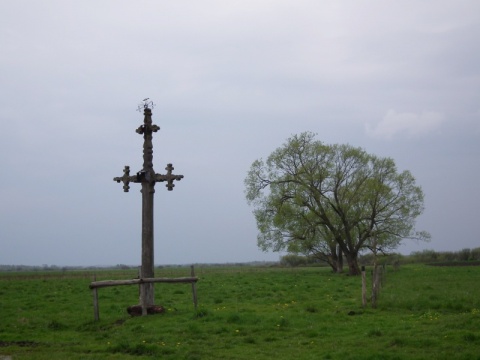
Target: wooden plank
x,y
107,283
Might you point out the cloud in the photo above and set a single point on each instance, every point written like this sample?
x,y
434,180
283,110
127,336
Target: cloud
x,y
411,124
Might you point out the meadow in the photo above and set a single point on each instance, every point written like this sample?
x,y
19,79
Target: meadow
x,y
246,312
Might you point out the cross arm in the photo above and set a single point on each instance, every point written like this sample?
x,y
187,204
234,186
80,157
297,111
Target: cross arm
x,y
168,177
126,178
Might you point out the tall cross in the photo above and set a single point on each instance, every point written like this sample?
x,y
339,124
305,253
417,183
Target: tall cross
x,y
147,178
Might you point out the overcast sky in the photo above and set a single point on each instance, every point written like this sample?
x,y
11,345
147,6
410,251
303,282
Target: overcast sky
x,y
231,80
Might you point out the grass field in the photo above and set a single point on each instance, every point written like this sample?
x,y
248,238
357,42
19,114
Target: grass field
x,y
245,313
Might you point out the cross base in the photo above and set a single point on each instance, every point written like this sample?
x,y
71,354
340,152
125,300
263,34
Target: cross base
x,y
136,310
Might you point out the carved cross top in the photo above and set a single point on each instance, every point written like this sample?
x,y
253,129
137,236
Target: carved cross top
x,y
147,174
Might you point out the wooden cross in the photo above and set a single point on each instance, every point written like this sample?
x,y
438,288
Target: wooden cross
x,y
147,178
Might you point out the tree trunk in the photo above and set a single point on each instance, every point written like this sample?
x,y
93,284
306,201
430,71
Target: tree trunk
x,y
353,268
332,261
335,259
339,260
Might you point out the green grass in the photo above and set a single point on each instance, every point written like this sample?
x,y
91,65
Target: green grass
x,y
245,313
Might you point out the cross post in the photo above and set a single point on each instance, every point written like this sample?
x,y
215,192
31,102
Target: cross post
x,y
147,177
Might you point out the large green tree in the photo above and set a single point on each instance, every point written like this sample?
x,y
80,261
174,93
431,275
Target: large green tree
x,y
325,200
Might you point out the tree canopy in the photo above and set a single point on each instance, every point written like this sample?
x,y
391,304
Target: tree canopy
x,y
328,200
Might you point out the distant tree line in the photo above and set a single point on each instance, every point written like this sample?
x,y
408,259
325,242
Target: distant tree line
x,y
432,256
294,260
55,268
417,257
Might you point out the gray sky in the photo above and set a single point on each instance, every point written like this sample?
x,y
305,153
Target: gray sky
x,y
231,80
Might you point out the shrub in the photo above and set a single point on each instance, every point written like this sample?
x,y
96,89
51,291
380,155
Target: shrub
x,y
475,253
464,255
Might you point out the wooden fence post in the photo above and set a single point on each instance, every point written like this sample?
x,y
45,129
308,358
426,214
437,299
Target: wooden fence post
x,y
384,274
364,287
375,286
396,265
194,290
96,311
